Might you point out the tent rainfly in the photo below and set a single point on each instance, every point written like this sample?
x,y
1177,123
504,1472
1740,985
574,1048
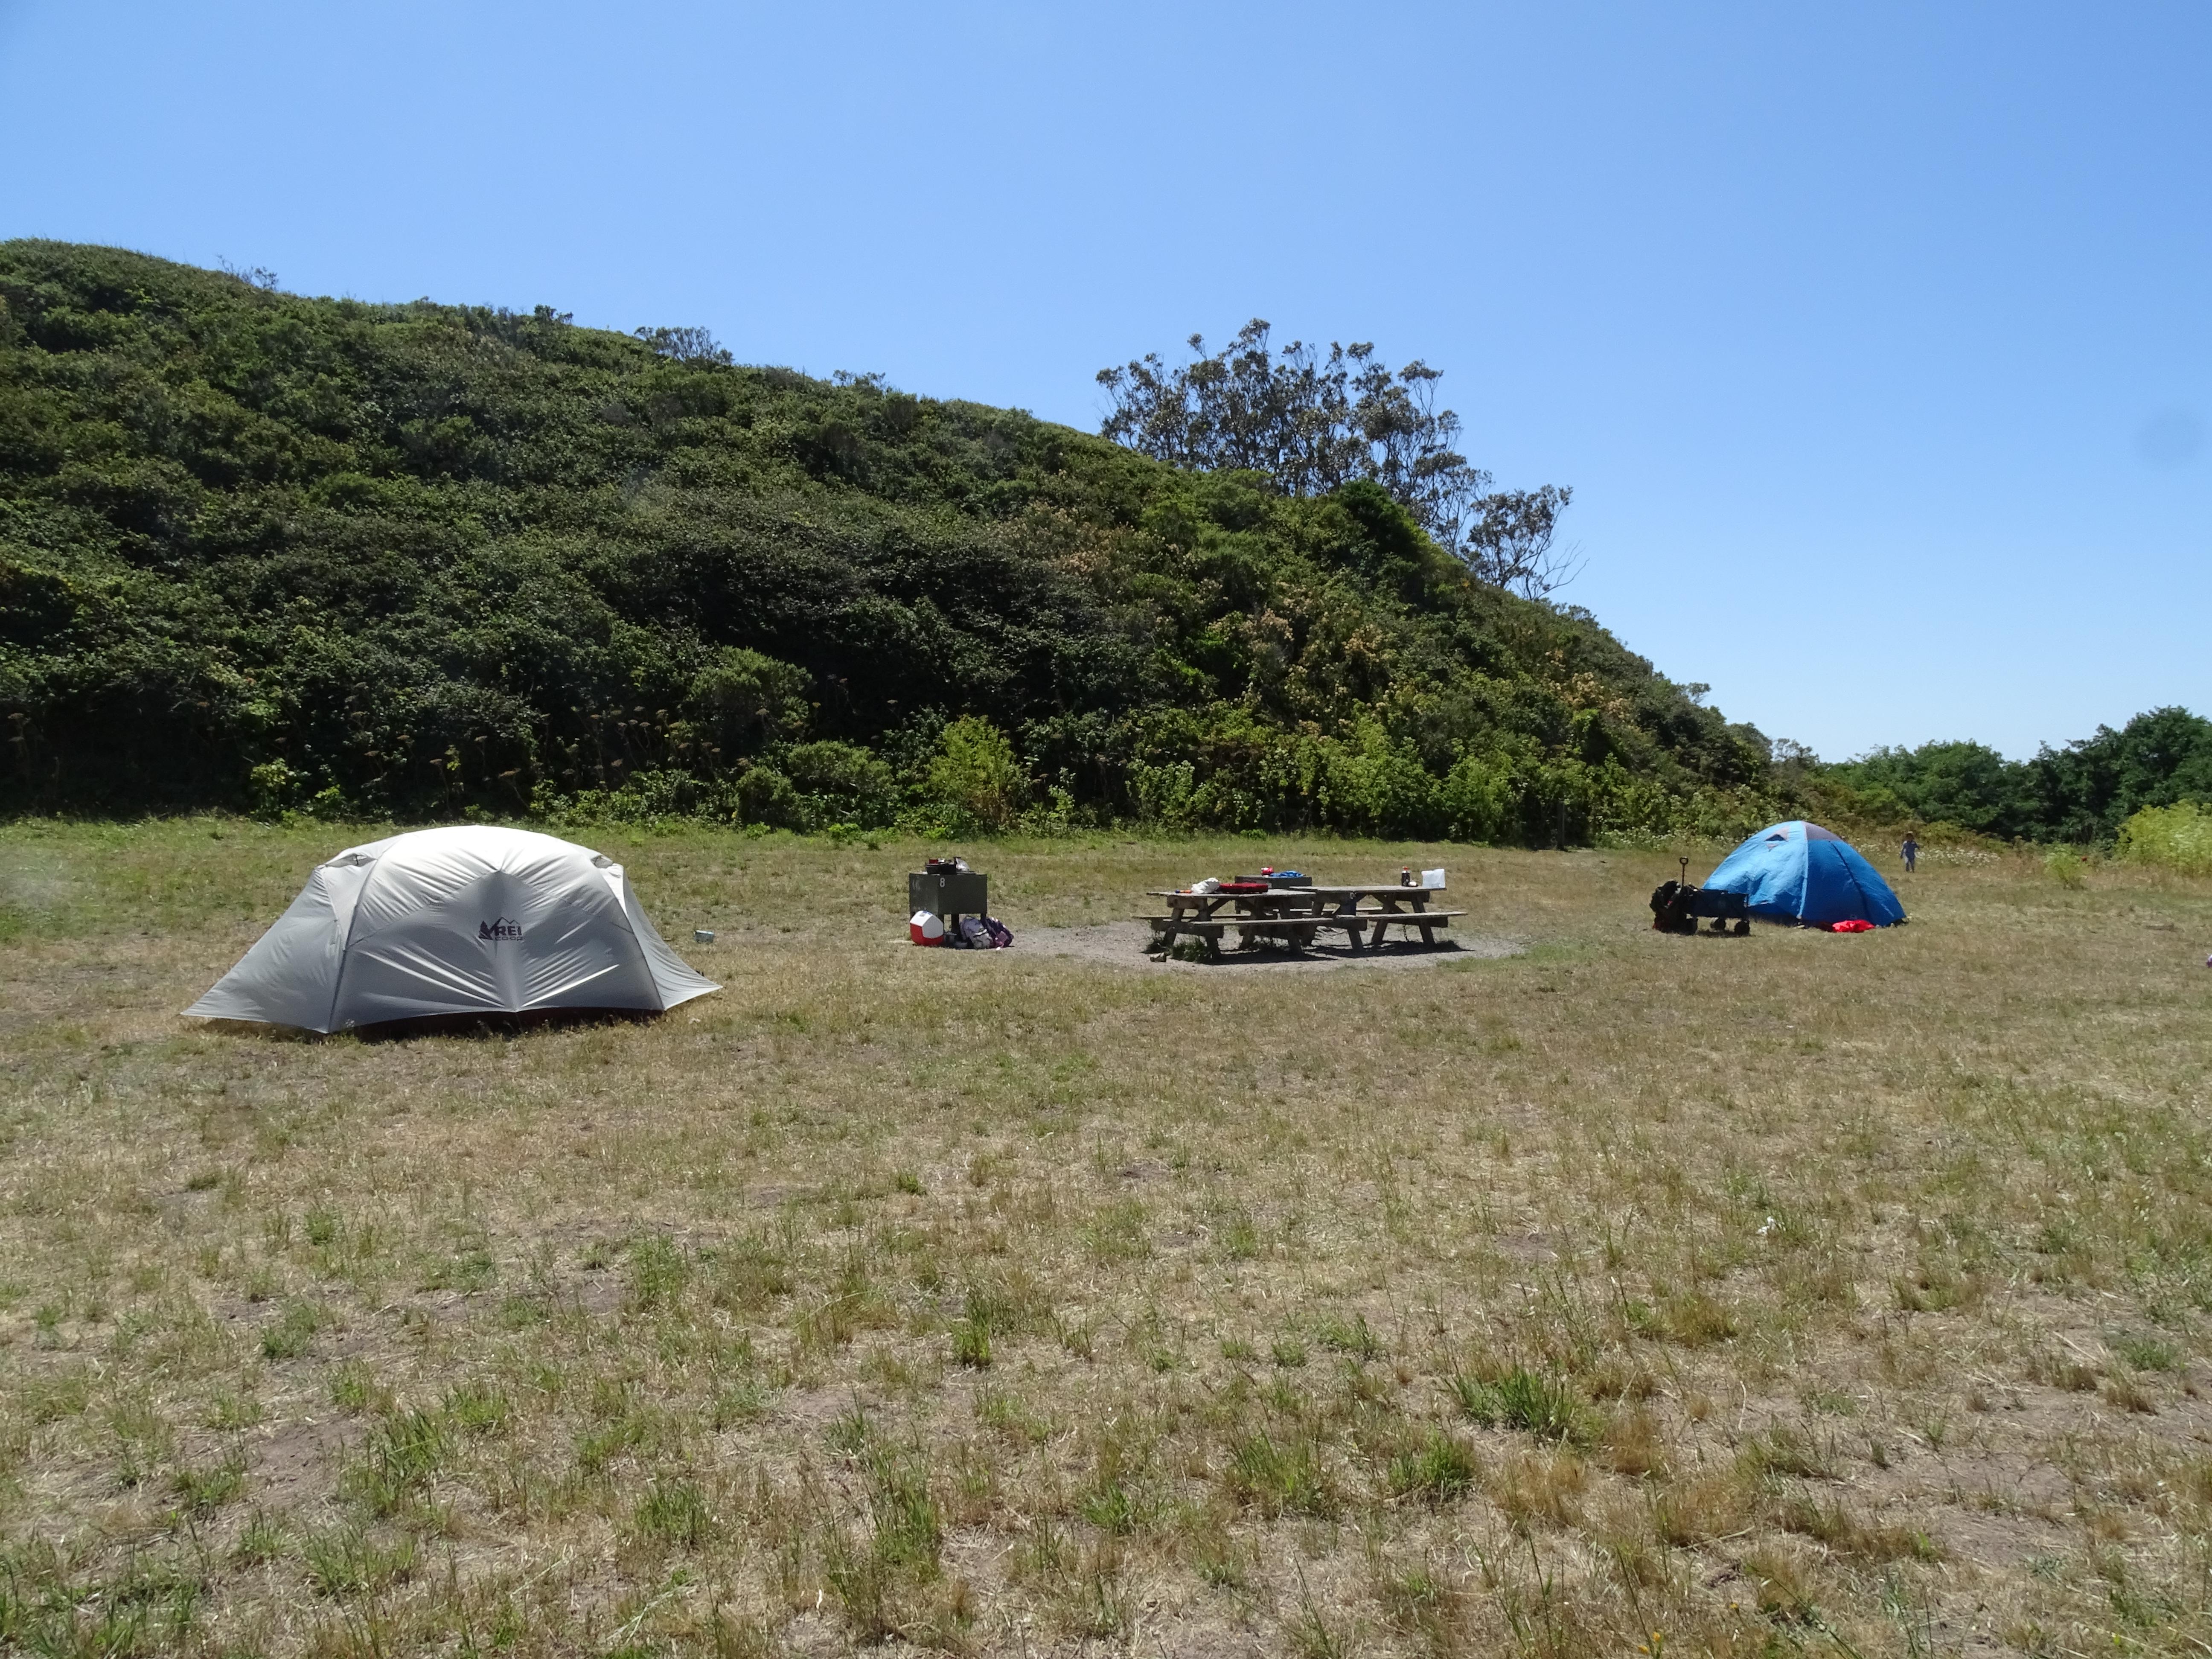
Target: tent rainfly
x,y
1799,871
473,920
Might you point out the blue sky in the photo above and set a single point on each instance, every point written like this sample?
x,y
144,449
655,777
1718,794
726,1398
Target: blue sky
x,y
1874,340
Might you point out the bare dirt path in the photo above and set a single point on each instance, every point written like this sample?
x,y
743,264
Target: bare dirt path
x,y
1122,944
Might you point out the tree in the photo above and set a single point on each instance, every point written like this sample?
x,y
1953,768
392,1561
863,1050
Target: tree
x,y
1312,424
685,345
1968,784
2088,789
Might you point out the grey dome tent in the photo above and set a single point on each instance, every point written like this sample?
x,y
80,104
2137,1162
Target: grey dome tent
x,y
473,919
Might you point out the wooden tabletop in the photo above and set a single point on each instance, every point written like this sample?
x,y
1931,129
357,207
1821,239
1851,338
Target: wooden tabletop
x,y
1271,892
1381,890
1377,888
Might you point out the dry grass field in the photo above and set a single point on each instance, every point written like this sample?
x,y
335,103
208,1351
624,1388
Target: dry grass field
x,y
1630,1294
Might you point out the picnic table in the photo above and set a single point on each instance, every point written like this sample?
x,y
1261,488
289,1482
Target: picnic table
x,y
1295,915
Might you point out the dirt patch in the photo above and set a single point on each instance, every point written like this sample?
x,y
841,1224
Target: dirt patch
x,y
297,1461
1123,945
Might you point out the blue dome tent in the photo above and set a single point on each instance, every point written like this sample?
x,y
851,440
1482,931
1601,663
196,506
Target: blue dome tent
x,y
1798,872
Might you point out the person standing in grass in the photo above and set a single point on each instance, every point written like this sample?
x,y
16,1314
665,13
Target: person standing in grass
x,y
1911,851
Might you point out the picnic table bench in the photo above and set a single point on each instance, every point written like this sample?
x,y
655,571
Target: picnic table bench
x,y
1296,913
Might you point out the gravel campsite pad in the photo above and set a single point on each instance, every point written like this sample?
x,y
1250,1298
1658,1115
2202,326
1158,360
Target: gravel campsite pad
x,y
1125,945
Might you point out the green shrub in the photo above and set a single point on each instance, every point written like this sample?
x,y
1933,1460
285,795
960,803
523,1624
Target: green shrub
x,y
742,701
2177,838
765,796
977,772
2065,867
271,788
840,783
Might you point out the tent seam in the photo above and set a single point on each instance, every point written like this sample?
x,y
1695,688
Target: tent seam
x,y
345,947
644,956
1866,907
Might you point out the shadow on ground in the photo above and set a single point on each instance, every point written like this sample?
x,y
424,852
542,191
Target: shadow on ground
x,y
1128,944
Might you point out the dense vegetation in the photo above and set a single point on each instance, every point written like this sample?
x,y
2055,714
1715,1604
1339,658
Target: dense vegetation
x,y
2084,792
262,551
2176,838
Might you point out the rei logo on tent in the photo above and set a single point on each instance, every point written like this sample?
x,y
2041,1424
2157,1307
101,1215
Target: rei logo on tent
x,y
499,928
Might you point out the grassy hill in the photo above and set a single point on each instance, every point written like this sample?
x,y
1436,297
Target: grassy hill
x,y
262,550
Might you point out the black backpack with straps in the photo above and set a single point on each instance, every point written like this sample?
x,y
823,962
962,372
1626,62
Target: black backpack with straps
x,y
1673,908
